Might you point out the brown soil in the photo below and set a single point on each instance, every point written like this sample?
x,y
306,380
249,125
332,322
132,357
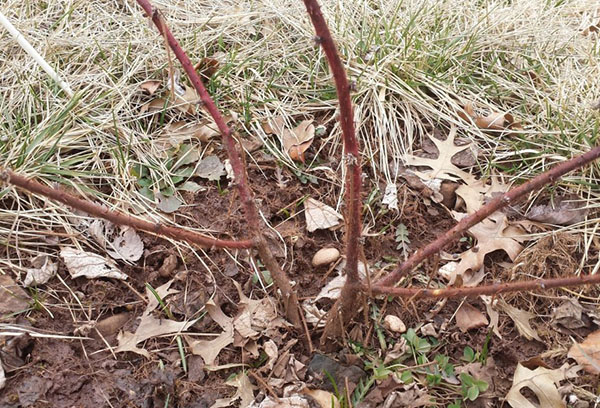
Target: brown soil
x,y
49,372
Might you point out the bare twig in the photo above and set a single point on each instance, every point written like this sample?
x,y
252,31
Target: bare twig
x,y
239,170
119,218
510,197
495,289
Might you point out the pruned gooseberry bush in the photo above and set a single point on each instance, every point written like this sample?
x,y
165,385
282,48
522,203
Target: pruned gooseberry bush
x,y
354,290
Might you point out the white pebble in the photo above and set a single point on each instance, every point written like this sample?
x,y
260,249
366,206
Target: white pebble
x,y
394,324
325,256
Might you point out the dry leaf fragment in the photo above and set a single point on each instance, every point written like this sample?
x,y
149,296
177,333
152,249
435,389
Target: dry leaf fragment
x,y
542,381
492,121
390,197
92,266
521,319
167,204
563,212
12,297
150,86
183,130
324,399
155,105
320,216
587,353
468,317
120,242
210,168
244,392
151,326
43,269
490,303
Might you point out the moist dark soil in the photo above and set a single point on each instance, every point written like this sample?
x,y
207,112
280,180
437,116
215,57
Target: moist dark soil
x,y
51,371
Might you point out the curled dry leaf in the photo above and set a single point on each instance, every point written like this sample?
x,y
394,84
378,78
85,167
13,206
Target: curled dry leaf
x,y
570,314
92,266
43,269
295,141
468,317
542,381
587,353
150,86
492,121
320,216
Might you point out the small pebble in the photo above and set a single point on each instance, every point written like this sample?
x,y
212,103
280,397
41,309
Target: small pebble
x,y
325,256
394,324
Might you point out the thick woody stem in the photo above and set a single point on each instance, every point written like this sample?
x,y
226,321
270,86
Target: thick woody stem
x,y
510,197
351,153
495,289
345,307
119,218
239,170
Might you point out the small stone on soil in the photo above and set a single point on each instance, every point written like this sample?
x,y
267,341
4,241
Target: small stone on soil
x,y
325,256
394,324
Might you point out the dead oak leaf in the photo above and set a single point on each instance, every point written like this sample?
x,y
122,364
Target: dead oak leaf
x,y
587,353
442,167
542,381
492,234
151,326
210,349
475,194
